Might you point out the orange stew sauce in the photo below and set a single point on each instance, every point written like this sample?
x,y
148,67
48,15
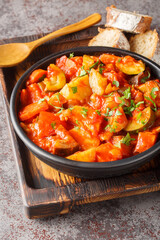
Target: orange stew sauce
x,y
92,108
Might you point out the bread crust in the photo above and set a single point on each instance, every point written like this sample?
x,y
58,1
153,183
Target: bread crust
x,y
153,48
127,21
120,41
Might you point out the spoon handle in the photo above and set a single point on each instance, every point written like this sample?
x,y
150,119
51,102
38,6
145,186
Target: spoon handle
x,y
85,23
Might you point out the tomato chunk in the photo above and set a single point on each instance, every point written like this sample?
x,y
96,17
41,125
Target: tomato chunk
x,y
108,152
145,141
47,123
36,76
32,110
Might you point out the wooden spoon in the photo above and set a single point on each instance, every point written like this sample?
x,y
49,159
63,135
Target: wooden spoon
x,y
14,53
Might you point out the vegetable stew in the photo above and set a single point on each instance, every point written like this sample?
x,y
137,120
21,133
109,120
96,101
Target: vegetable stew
x,y
92,108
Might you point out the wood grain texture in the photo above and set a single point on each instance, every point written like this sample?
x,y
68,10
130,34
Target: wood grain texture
x,y
46,191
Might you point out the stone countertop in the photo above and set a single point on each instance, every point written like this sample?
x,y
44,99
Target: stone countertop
x,y
136,217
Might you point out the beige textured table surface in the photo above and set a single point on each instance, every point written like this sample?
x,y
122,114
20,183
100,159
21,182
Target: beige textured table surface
x,y
136,217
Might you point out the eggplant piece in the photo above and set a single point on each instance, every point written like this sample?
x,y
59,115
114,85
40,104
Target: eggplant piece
x,y
64,148
143,121
140,78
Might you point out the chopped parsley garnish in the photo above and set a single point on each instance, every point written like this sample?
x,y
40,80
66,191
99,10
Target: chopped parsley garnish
x,y
118,113
53,124
143,80
127,139
83,72
155,89
116,83
119,60
143,122
139,116
98,112
107,126
110,113
111,128
101,68
71,55
149,99
108,95
127,93
60,109
57,96
107,112
76,127
42,78
84,112
94,65
41,100
74,90
139,103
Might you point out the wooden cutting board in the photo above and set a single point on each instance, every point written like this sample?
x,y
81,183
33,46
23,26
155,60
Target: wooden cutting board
x,y
45,191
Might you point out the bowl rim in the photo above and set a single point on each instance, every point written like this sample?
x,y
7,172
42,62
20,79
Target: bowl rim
x,y
51,158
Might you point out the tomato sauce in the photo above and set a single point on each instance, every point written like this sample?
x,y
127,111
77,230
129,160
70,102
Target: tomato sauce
x,y
92,108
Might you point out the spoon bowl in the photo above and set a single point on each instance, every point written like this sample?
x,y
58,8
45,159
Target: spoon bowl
x,y
11,54
14,53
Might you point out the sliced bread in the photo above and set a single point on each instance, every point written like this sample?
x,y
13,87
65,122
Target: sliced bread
x,y
127,21
146,44
110,37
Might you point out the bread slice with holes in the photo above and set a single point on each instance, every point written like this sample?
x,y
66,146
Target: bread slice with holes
x,y
127,21
110,37
146,44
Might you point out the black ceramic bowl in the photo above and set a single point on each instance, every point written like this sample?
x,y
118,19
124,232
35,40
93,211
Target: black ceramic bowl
x,y
74,168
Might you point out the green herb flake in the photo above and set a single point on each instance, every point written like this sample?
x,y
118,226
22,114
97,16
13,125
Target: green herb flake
x,y
127,93
74,89
143,122
76,127
41,100
139,103
155,89
83,72
139,116
53,124
110,113
149,99
101,68
143,80
107,112
71,55
94,65
113,129
42,78
107,126
84,112
118,60
57,96
127,139
108,95
118,113
116,83
60,109
98,112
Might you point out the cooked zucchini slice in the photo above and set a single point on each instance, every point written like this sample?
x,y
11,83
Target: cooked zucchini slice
x,y
144,120
130,66
56,81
